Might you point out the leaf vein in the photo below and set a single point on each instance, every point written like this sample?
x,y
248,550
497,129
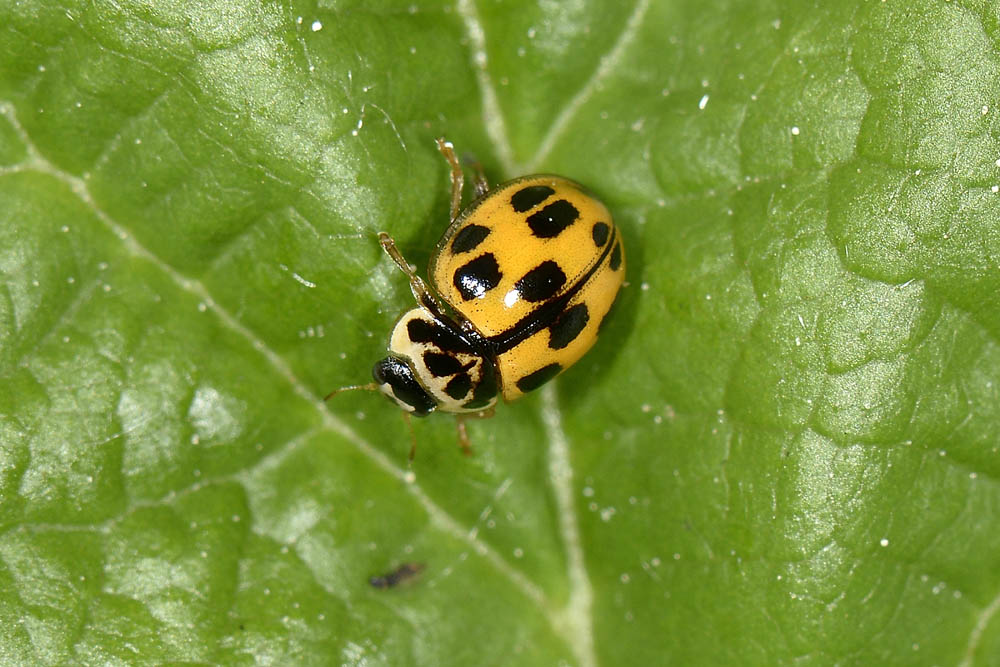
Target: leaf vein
x,y
976,636
606,64
576,618
438,515
493,119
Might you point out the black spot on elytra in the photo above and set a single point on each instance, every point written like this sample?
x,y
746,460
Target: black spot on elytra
x,y
535,380
553,219
600,233
441,365
468,238
476,278
438,335
459,386
568,326
530,197
616,257
542,282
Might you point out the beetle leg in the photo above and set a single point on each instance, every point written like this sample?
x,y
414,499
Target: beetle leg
x,y
457,178
421,292
413,438
463,435
481,184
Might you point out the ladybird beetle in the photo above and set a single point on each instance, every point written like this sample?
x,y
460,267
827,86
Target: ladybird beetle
x,y
519,285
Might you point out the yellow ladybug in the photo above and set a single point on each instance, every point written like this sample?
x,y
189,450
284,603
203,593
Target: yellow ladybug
x,y
519,285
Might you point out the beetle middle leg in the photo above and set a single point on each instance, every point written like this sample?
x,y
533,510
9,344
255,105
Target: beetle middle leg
x,y
463,434
481,184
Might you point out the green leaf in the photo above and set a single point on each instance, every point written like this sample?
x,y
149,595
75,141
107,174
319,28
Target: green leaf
x,y
784,448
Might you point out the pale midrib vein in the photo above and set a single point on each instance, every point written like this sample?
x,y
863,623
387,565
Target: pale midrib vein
x,y
438,515
575,620
496,129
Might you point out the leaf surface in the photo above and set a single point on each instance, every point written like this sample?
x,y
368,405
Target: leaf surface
x,y
782,449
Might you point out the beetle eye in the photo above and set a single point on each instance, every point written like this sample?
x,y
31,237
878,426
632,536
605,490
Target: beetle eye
x,y
397,381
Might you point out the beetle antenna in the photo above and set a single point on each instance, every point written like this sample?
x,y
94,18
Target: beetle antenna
x,y
371,386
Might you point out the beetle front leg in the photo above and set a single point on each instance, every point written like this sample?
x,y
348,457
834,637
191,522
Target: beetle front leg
x,y
421,292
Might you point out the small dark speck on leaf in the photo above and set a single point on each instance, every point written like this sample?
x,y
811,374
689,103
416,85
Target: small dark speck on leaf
x,y
401,574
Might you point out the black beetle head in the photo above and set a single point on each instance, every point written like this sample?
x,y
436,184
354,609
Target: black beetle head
x,y
396,380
